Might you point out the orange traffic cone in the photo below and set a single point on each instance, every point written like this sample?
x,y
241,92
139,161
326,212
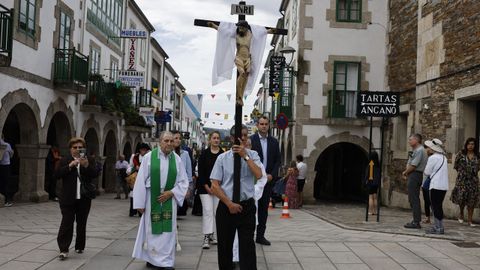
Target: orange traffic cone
x,y
270,205
285,212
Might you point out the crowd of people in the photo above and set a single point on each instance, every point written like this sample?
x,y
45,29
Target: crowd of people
x,y
427,172
234,218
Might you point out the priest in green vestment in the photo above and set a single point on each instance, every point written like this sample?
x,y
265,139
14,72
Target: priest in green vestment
x,y
160,186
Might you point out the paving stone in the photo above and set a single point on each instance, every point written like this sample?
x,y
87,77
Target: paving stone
x,y
381,263
352,266
342,257
423,266
333,246
280,257
38,255
16,265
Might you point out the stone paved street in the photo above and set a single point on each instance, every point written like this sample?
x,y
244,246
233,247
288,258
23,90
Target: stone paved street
x,y
28,241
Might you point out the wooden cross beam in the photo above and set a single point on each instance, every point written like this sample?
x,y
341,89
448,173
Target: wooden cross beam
x,y
238,106
271,30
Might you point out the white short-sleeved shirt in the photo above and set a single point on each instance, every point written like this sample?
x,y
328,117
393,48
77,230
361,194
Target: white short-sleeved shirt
x,y
302,170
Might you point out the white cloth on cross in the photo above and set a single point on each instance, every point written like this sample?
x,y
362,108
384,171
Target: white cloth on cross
x,y
225,54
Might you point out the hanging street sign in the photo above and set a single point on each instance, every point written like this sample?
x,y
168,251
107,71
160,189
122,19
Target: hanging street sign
x,y
131,54
281,121
378,104
133,33
277,63
131,78
242,9
163,117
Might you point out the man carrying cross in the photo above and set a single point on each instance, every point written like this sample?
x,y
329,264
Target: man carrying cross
x,y
161,185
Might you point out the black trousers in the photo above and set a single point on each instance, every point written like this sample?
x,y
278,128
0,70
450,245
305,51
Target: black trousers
x,y
133,212
5,179
227,225
263,210
437,197
70,213
426,200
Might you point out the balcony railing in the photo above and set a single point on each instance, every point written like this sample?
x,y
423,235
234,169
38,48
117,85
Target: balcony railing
x,y
144,98
101,94
71,67
6,35
342,104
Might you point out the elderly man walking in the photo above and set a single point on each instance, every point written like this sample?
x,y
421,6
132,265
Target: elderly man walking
x,y
160,187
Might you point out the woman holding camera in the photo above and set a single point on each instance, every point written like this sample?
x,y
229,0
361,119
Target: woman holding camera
x,y
77,173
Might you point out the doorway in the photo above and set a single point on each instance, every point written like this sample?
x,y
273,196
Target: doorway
x,y
340,171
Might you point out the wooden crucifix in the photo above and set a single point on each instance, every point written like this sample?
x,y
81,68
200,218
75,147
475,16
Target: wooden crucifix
x,y
243,62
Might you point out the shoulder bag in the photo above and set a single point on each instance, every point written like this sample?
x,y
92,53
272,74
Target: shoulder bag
x,y
426,183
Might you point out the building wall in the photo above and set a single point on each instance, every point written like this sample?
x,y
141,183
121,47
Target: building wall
x,y
439,98
322,40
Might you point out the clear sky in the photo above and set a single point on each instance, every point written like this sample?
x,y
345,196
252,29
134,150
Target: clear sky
x,y
191,48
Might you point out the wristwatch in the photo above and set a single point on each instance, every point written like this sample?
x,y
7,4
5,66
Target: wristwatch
x,y
246,158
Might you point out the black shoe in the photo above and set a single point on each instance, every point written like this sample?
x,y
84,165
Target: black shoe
x,y
412,225
79,251
263,241
149,265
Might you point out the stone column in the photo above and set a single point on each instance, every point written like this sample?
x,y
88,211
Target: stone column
x,y
308,189
31,178
2,151
100,189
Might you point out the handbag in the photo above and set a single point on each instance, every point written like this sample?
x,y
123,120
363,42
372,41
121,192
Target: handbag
x,y
131,179
88,190
426,183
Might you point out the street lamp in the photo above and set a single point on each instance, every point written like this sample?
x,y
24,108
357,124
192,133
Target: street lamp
x,y
289,51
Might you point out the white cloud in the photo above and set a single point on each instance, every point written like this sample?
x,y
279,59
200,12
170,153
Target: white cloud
x,y
191,48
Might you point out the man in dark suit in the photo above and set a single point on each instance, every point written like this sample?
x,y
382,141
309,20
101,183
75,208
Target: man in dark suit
x,y
268,149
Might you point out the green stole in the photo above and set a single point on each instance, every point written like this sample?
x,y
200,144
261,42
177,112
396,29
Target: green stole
x,y
161,213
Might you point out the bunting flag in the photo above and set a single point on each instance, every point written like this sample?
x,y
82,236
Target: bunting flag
x,y
226,116
229,96
218,114
245,97
199,96
155,90
213,95
206,115
276,94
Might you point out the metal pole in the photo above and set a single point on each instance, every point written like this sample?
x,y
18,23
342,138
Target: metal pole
x,y
369,154
379,196
238,134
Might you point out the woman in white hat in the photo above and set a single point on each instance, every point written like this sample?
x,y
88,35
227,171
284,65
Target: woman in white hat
x,y
436,172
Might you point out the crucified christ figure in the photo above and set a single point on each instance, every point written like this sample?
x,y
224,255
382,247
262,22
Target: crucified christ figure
x,y
243,58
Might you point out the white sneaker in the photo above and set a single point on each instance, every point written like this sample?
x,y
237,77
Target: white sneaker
x,y
460,220
206,242
63,256
212,239
8,204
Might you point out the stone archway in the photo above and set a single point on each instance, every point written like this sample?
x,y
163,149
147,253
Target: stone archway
x,y
110,154
320,146
340,171
138,141
56,109
20,124
59,132
127,150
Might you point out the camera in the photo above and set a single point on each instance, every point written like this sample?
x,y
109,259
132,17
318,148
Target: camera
x,y
82,152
